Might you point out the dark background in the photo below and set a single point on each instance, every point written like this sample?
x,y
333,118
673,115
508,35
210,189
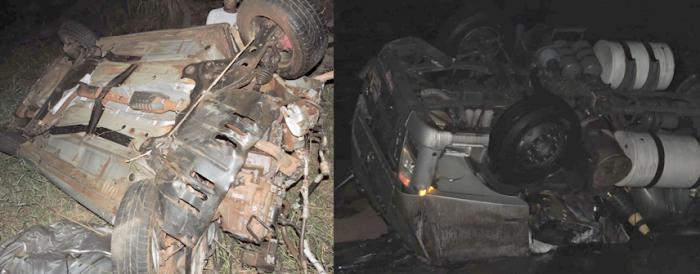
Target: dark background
x,y
363,26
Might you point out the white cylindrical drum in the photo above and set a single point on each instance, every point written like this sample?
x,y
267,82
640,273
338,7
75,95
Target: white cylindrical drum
x,y
611,56
667,64
660,160
641,59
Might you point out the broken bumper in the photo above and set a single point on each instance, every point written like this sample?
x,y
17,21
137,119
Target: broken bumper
x,y
453,229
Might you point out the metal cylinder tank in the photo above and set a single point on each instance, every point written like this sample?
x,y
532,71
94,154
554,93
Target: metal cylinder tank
x,y
611,165
660,160
636,59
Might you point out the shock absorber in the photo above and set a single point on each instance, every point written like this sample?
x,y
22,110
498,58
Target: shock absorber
x,y
267,67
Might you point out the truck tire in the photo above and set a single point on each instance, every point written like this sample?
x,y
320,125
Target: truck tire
x,y
77,33
300,21
472,15
531,123
134,237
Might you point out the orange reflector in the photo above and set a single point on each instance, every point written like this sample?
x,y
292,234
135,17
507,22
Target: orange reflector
x,y
404,178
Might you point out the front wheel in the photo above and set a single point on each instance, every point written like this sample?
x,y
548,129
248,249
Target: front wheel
x,y
134,240
304,40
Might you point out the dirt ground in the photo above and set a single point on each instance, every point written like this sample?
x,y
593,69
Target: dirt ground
x,y
27,198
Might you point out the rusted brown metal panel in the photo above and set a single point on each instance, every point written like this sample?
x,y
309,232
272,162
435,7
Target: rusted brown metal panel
x,y
84,188
247,210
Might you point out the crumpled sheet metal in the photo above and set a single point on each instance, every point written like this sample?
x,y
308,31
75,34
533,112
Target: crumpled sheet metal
x,y
63,247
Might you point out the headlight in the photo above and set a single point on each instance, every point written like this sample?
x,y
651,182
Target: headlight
x,y
406,164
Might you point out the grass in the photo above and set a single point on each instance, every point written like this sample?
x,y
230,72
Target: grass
x,y
19,70
26,197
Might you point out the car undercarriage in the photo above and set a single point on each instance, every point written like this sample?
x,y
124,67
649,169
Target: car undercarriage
x,y
170,134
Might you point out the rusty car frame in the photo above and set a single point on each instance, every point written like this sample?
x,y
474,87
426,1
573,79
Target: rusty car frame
x,y
170,134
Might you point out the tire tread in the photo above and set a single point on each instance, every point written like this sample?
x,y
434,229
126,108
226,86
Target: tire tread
x,y
134,221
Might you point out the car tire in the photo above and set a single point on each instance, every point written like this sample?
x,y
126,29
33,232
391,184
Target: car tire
x,y
472,15
77,33
300,20
134,240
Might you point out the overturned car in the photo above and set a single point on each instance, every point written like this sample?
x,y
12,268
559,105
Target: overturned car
x,y
169,134
476,150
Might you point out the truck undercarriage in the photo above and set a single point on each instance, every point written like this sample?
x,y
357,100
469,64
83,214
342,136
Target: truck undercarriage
x,y
489,152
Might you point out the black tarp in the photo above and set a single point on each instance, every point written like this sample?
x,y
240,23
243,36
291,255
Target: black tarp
x,y
63,247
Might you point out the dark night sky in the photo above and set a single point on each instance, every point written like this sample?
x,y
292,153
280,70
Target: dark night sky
x,y
30,12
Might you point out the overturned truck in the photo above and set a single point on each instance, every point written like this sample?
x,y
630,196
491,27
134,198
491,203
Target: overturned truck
x,y
506,145
169,134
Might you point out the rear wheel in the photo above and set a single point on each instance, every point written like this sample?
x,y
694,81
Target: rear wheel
x,y
72,32
134,240
77,39
304,40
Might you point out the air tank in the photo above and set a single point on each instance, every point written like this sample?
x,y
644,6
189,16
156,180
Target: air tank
x,y
660,160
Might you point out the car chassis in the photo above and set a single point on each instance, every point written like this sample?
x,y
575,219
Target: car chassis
x,y
202,119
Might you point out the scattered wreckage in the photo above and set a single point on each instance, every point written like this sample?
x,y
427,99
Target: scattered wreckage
x,y
169,134
477,151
